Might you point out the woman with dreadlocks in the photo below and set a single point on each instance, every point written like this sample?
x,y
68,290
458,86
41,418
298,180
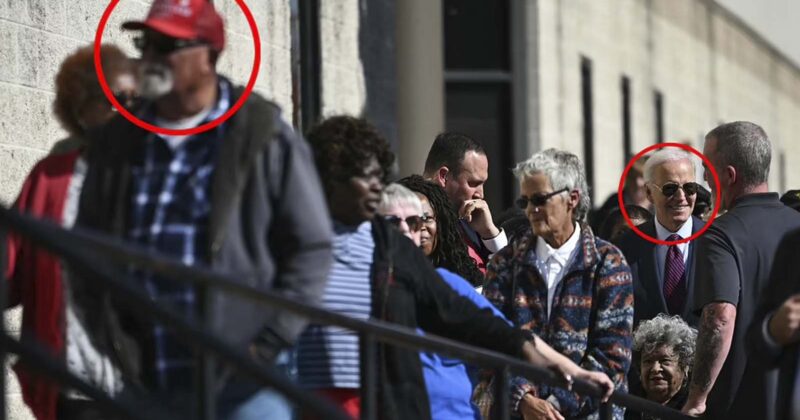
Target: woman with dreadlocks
x,y
441,240
450,382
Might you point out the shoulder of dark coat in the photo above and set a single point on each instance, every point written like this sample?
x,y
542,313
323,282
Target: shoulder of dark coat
x,y
631,242
256,105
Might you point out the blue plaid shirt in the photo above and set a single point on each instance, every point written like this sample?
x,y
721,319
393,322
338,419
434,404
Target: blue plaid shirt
x,y
171,205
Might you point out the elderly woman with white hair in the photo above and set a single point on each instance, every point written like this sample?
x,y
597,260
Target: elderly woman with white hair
x,y
402,209
567,286
664,347
449,381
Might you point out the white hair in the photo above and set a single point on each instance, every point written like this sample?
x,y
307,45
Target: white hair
x,y
396,195
668,154
564,170
670,331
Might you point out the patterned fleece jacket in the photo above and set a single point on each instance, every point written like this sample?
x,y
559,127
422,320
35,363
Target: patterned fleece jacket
x,y
591,318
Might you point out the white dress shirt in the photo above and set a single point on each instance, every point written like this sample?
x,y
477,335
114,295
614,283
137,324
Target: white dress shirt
x,y
663,233
553,262
497,243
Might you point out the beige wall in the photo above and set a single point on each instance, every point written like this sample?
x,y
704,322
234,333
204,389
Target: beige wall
x,y
343,87
709,67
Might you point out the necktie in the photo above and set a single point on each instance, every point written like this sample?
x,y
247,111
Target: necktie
x,y
674,278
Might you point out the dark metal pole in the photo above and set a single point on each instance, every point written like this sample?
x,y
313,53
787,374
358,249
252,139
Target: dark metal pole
x,y
206,395
369,376
310,66
606,411
127,405
501,384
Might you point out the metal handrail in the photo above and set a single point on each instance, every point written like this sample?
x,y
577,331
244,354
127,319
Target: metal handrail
x,y
48,235
35,359
119,283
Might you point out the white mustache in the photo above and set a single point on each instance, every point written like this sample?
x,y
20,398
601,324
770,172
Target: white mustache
x,y
155,80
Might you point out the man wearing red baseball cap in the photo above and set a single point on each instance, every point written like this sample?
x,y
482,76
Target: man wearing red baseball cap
x,y
180,42
242,198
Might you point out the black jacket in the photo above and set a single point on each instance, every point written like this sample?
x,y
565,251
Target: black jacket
x,y
762,350
648,286
268,228
407,291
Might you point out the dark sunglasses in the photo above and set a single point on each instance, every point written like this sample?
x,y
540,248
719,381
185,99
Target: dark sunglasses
x,y
414,222
671,188
537,200
164,45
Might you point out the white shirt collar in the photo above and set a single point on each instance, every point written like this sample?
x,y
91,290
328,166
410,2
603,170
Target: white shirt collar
x,y
684,231
562,255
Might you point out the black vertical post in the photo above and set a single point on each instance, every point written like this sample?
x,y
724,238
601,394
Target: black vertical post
x,y
658,108
206,389
502,393
310,56
369,376
627,136
3,304
588,120
606,411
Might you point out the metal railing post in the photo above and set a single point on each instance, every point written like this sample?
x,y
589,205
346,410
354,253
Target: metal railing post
x,y
503,402
606,411
206,385
369,376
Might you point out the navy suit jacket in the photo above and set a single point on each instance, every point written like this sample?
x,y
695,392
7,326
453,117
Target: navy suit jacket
x,y
648,300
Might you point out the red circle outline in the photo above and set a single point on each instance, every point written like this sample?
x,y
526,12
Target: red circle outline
x,y
171,132
625,212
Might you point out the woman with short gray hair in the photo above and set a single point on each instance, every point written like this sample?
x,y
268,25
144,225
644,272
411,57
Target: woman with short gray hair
x,y
402,209
665,348
565,173
564,284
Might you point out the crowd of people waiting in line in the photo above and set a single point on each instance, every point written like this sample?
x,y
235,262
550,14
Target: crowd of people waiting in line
x,y
708,325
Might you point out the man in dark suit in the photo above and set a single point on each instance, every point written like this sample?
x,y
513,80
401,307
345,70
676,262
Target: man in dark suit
x,y
663,275
459,164
773,338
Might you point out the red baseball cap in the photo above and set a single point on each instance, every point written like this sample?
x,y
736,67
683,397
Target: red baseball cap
x,y
184,19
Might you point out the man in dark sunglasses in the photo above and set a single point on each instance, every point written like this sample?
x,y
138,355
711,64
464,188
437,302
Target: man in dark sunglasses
x,y
662,275
219,198
179,54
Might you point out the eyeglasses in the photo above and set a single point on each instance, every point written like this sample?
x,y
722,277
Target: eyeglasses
x,y
671,188
428,220
538,200
164,45
414,222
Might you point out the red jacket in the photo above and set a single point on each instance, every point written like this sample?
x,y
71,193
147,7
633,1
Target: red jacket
x,y
35,277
